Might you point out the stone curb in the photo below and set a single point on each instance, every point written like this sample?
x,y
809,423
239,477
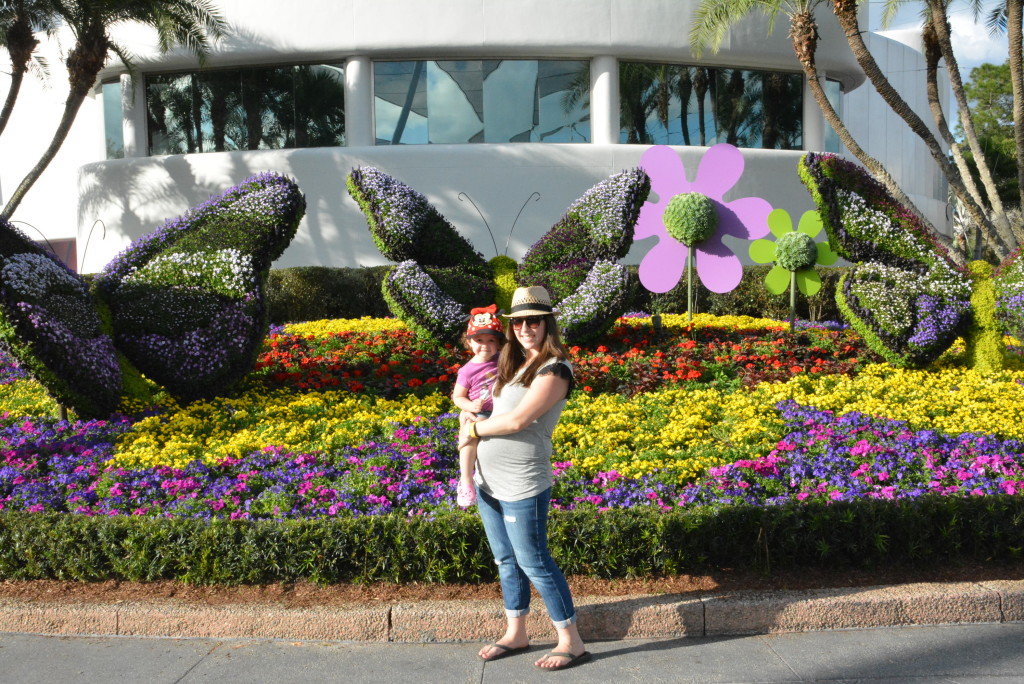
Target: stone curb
x,y
629,617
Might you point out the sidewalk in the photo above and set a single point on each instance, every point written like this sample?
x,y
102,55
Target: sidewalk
x,y
979,654
612,618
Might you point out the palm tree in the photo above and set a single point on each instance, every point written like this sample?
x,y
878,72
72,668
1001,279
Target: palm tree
x,y
19,20
713,19
997,232
190,23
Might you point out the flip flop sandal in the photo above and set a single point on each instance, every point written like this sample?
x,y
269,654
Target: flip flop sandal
x,y
573,661
504,652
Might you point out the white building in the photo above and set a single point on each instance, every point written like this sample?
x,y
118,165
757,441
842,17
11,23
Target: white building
x,y
492,108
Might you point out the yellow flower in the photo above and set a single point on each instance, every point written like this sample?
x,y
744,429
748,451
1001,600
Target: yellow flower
x,y
324,328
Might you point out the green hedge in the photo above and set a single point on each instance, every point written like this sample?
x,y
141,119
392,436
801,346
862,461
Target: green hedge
x,y
452,548
750,298
309,293
313,293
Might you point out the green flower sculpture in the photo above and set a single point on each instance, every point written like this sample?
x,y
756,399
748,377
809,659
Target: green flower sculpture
x,y
794,253
690,217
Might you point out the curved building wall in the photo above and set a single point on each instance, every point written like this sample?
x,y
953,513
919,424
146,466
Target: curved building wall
x,y
481,187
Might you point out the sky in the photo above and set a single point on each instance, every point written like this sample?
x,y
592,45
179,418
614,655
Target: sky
x,y
972,42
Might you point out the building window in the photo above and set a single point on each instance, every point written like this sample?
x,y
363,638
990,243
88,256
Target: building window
x,y
113,117
265,108
669,104
484,100
834,93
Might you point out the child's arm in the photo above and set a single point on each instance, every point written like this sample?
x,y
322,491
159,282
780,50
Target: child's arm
x,y
460,395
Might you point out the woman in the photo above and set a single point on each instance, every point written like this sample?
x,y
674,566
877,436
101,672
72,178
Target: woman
x,y
514,477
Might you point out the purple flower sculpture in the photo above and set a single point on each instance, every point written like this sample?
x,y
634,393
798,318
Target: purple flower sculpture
x,y
746,217
185,305
440,276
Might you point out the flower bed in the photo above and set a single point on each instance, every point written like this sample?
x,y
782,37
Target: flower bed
x,y
351,418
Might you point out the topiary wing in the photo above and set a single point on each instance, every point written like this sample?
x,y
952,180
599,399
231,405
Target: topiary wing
x,y
575,258
405,226
408,229
1008,282
598,226
415,297
188,301
50,324
596,303
905,295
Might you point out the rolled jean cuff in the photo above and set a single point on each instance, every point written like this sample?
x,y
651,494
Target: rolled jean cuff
x,y
562,624
518,613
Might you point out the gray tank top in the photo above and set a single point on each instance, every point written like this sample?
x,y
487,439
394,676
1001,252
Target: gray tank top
x,y
518,466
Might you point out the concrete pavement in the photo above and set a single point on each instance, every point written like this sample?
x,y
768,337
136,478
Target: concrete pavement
x,y
966,654
931,632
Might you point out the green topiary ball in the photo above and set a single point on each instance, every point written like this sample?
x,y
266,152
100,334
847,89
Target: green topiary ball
x,y
691,218
796,250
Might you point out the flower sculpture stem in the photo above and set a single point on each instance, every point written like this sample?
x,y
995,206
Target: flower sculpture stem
x,y
792,302
690,257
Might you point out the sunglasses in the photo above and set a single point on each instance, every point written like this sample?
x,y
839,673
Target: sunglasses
x,y
532,321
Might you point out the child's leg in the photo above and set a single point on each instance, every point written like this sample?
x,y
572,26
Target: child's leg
x,y
466,489
467,462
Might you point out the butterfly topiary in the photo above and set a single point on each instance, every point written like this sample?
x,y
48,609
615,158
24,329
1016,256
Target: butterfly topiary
x,y
905,295
185,305
440,276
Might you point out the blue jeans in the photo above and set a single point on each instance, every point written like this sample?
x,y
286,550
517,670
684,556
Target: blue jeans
x,y
518,534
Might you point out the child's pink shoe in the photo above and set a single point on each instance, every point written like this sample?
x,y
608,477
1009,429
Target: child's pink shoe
x,y
466,494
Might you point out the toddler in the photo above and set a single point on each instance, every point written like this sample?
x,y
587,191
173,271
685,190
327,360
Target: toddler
x,y
484,337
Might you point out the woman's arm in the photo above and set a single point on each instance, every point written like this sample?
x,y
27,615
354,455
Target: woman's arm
x,y
545,391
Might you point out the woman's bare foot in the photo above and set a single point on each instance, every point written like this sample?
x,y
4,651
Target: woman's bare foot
x,y
569,641
514,639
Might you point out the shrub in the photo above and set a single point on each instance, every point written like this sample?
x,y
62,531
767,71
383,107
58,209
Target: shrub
x,y
750,298
451,547
312,293
440,275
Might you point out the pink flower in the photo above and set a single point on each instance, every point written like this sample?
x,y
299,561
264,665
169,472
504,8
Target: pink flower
x,y
746,217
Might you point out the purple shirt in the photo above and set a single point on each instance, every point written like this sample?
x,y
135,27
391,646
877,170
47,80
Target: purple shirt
x,y
478,379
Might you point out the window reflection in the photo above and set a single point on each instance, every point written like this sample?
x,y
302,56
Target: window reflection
x,y
834,93
246,109
113,120
668,104
491,101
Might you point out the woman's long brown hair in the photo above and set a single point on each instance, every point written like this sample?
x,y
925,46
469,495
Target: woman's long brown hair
x,y
513,357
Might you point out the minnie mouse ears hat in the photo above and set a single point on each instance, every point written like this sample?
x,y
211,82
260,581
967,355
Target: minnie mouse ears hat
x,y
530,301
484,320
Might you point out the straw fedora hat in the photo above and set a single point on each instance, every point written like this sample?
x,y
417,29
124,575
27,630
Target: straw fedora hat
x,y
530,301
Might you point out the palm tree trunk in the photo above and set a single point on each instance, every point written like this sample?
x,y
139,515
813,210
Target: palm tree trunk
x,y
700,86
939,21
1013,33
933,54
12,95
71,107
21,43
846,13
876,167
685,88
